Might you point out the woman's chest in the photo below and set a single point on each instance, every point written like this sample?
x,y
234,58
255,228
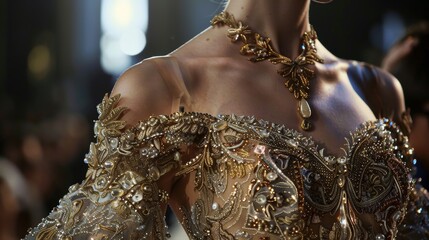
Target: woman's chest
x,y
254,90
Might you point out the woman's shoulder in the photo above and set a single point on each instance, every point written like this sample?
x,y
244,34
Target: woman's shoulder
x,y
368,76
145,88
379,89
147,68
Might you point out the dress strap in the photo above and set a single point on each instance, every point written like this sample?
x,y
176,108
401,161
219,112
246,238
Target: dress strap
x,y
170,71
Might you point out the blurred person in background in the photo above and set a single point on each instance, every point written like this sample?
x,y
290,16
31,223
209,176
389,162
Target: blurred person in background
x,y
18,208
9,209
39,161
408,60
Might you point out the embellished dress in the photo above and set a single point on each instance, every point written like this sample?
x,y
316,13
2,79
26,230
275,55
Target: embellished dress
x,y
251,179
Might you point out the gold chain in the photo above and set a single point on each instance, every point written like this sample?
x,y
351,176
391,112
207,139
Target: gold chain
x,y
296,72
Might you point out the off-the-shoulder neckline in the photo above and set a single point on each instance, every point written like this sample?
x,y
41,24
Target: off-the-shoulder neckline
x,y
318,144
109,104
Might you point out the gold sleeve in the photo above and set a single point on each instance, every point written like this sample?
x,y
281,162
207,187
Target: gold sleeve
x,y
122,196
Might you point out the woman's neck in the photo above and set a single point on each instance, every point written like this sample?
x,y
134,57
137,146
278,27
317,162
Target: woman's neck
x,y
283,21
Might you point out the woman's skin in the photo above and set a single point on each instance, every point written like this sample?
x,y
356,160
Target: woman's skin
x,y
222,81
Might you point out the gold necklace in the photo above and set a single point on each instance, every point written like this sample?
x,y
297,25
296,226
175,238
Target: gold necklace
x,y
296,72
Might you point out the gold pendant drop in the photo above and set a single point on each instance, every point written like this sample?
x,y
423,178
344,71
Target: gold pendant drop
x,y
304,111
297,73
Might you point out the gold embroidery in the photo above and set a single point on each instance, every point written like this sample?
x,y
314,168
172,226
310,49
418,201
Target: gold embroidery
x,y
253,179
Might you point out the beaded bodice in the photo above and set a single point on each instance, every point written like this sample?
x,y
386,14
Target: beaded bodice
x,y
251,180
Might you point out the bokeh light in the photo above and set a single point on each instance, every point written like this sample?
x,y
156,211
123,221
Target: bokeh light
x,y
123,24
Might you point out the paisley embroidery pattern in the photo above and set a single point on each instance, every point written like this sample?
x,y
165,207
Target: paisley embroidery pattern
x,y
253,179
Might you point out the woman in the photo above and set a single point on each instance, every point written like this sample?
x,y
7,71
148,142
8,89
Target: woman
x,y
265,169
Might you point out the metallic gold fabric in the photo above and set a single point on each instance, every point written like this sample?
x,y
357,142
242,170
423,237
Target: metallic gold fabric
x,y
252,180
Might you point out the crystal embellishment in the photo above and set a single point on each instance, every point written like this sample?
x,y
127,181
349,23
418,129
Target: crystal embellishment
x,y
261,199
259,149
215,206
271,176
138,196
114,142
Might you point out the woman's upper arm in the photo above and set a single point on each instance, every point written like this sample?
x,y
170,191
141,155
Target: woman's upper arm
x,y
392,95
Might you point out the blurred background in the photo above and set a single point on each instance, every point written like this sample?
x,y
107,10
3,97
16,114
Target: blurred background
x,y
58,59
